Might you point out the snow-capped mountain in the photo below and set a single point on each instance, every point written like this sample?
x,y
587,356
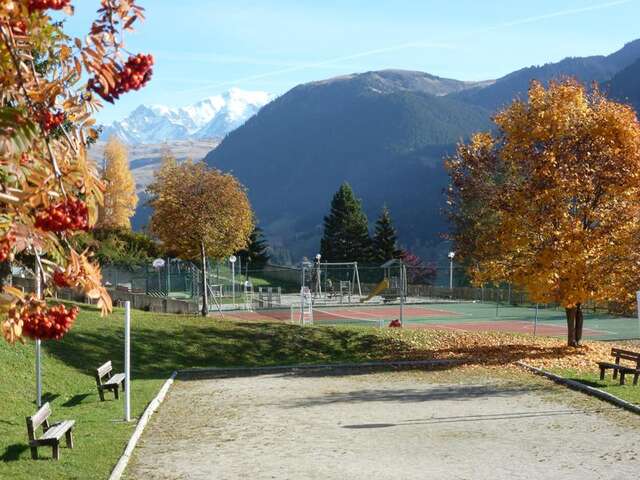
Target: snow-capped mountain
x,y
212,117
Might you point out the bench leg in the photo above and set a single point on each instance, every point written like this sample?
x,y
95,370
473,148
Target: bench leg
x,y
115,392
34,453
101,394
635,378
615,373
56,451
69,436
622,378
601,373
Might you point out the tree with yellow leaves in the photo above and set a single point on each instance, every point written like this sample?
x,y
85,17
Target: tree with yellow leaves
x,y
120,197
199,212
551,201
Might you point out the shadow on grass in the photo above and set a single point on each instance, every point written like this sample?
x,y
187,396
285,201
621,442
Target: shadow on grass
x,y
76,400
158,351
13,452
590,383
48,397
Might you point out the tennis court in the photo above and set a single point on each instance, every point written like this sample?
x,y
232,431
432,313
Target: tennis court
x,y
468,316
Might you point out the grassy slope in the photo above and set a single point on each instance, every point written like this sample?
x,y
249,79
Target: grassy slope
x,y
160,344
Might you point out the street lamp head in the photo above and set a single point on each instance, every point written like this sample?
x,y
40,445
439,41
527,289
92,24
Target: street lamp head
x,y
451,255
232,259
318,257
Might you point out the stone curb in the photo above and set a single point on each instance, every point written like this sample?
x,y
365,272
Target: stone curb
x,y
574,385
118,470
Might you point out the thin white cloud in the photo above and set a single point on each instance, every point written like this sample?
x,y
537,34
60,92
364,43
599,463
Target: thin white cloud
x,y
323,63
216,59
405,46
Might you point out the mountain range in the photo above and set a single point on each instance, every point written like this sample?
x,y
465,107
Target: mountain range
x,y
210,118
385,132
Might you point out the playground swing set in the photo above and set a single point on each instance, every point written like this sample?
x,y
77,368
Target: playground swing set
x,y
329,275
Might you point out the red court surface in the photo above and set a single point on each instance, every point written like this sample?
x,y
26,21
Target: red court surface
x,y
351,313
346,316
511,326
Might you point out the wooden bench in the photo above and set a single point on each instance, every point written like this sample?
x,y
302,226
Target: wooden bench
x,y
51,434
106,381
620,369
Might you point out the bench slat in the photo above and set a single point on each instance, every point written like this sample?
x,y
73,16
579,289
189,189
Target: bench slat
x,y
58,430
40,416
115,380
615,351
625,355
104,369
609,365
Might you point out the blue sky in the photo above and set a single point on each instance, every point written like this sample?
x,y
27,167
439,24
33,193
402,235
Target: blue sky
x,y
204,47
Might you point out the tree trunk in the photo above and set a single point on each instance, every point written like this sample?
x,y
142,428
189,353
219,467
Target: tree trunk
x,y
571,326
205,303
5,274
579,323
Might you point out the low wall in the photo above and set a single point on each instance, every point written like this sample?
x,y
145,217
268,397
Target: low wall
x,y
141,301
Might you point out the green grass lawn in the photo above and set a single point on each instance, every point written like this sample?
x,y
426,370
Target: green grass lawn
x,y
627,392
160,344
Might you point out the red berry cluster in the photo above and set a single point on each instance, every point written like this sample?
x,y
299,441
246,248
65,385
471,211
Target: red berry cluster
x,y
49,120
35,5
133,76
61,280
48,323
25,159
72,214
19,27
6,244
395,324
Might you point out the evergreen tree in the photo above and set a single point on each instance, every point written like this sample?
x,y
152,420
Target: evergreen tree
x,y
120,197
255,256
346,229
384,244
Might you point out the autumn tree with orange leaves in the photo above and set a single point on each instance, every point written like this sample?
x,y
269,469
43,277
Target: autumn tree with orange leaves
x,y
199,213
120,197
551,201
50,87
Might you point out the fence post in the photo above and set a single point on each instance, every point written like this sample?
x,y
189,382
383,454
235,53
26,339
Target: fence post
x,y
127,361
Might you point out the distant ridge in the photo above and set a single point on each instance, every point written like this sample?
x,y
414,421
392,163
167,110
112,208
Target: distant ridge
x,y
597,69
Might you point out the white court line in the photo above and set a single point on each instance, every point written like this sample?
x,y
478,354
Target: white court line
x,y
347,317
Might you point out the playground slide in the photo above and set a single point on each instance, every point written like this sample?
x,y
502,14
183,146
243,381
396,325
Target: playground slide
x,y
383,285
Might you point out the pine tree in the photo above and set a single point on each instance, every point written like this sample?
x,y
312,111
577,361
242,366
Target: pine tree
x,y
120,197
255,256
346,229
384,243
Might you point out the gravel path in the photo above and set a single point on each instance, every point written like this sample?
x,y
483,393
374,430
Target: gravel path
x,y
407,425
